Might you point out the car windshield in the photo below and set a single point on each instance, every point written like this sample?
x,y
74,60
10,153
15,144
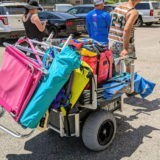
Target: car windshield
x,y
63,15
142,6
47,15
156,5
73,11
63,8
85,9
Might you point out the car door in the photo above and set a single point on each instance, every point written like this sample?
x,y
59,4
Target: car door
x,y
108,8
14,15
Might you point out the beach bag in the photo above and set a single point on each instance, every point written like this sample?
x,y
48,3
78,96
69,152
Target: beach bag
x,y
82,76
86,52
142,86
58,74
62,102
115,86
19,77
58,99
69,94
101,65
62,98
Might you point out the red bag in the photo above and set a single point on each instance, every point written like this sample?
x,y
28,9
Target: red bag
x,y
101,65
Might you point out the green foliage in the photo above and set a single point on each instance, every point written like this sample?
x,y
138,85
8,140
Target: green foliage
x,y
116,1
110,1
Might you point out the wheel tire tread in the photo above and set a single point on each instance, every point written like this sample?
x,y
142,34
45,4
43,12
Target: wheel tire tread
x,y
92,125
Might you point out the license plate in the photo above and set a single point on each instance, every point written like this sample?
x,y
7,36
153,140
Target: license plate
x,y
80,27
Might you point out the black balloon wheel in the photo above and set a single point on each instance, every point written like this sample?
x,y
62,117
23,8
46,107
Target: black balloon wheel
x,y
105,132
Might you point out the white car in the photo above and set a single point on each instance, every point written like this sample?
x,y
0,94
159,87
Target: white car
x,y
149,13
11,25
62,7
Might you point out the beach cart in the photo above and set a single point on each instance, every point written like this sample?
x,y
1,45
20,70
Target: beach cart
x,y
92,116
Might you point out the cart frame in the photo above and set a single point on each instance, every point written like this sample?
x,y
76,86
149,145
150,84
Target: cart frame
x,y
70,125
109,107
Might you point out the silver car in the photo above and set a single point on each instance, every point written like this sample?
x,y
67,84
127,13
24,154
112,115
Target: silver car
x,y
149,13
11,25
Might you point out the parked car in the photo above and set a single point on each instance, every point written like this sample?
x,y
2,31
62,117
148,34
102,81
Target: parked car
x,y
109,7
82,10
149,13
62,7
11,25
62,24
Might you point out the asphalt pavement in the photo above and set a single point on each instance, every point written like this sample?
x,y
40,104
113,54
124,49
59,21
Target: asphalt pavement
x,y
138,126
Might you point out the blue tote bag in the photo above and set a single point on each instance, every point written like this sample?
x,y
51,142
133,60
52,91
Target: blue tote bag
x,y
114,85
58,74
142,86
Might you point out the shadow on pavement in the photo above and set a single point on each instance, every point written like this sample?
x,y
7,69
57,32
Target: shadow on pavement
x,y
10,41
49,146
152,26
145,105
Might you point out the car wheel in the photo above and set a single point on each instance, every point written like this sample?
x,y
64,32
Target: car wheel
x,y
149,24
54,32
1,41
139,22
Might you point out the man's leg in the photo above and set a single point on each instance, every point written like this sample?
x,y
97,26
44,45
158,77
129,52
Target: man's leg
x,y
128,69
130,60
116,49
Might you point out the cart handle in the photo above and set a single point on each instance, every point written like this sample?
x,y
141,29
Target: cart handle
x,y
124,57
121,58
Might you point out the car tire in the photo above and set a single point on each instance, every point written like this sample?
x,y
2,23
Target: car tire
x,y
1,41
54,31
139,22
99,130
149,24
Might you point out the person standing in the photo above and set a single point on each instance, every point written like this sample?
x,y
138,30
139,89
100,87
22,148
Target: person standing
x,y
33,26
98,22
121,33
